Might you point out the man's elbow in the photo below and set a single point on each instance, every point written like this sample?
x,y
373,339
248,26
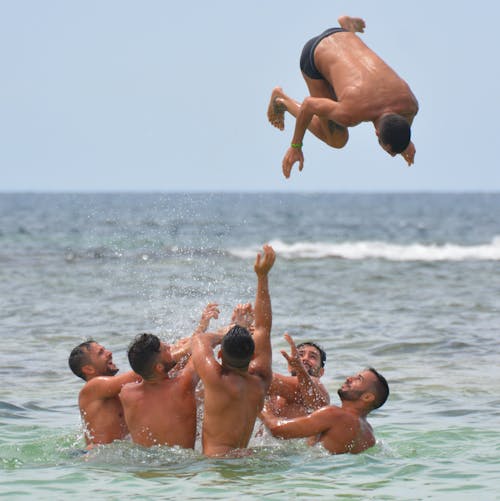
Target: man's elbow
x,y
274,429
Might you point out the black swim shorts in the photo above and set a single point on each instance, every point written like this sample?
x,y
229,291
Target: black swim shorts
x,y
307,57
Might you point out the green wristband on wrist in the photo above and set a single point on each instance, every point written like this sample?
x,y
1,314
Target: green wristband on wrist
x,y
297,146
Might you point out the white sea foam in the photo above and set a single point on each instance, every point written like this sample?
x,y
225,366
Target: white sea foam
x,y
380,250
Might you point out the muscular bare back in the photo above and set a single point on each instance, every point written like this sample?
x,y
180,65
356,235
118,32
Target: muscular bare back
x,y
231,411
364,84
235,389
161,413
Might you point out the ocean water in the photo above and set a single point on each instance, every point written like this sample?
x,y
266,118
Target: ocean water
x,y
406,283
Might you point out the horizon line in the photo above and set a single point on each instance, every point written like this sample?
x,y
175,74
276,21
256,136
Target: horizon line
x,y
249,192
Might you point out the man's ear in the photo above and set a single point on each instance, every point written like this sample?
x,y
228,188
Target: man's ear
x,y
219,354
321,372
158,369
368,397
88,371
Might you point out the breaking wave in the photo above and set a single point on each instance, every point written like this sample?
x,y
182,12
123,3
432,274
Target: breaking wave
x,y
380,250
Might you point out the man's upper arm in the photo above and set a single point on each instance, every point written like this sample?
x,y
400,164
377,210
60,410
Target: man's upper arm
x,y
262,361
108,386
189,375
329,109
284,386
317,422
203,359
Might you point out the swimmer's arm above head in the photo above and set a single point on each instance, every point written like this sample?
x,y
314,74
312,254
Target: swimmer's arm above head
x,y
203,358
182,347
290,387
243,315
262,360
314,394
210,311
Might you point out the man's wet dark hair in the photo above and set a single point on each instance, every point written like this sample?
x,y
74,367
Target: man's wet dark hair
x,y
237,347
79,357
382,389
322,353
394,131
143,353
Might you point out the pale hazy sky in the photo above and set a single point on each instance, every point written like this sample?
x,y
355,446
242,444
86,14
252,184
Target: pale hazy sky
x,y
101,95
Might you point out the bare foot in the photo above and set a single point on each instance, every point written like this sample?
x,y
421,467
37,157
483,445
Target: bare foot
x,y
354,24
276,109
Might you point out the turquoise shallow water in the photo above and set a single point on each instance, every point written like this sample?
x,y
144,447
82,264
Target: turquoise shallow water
x,y
406,283
457,463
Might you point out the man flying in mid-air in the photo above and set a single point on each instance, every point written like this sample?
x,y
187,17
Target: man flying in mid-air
x,y
348,84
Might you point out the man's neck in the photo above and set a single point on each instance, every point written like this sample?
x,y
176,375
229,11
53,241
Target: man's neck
x,y
157,379
238,370
354,408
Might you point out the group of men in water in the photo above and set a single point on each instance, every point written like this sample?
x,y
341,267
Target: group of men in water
x,y
157,402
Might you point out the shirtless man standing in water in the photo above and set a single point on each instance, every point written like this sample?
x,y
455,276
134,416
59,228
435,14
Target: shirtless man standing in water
x,y
161,410
301,392
235,388
341,429
100,407
348,84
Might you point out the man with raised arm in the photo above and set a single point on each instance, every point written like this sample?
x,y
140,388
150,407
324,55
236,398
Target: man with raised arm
x,y
235,388
301,392
348,84
341,429
100,407
161,410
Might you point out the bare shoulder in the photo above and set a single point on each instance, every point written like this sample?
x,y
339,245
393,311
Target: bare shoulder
x,y
188,378
92,391
252,385
262,373
94,384
332,411
128,389
336,414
